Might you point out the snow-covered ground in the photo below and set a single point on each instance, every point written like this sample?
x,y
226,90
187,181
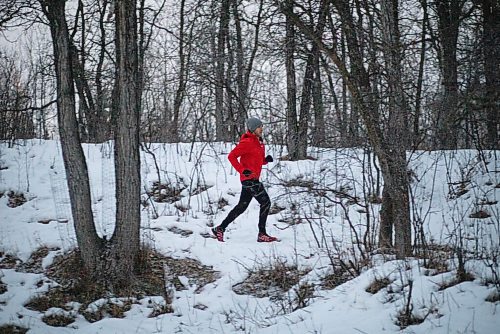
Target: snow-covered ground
x,y
319,221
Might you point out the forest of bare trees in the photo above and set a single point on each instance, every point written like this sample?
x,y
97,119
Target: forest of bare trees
x,y
204,66
388,75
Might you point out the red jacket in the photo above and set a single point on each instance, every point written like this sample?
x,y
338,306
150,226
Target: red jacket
x,y
250,150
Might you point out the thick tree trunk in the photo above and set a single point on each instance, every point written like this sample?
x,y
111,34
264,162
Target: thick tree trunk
x,y
395,177
74,159
448,118
491,53
395,211
125,242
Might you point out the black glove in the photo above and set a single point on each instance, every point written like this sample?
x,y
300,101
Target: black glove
x,y
269,158
247,172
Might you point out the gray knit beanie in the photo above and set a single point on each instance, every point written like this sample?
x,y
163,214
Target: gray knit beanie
x,y
253,123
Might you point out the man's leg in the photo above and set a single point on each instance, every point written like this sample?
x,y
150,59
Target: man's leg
x,y
262,197
245,198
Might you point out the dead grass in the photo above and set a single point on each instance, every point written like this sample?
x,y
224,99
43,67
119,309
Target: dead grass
x,y
480,214
199,189
109,309
34,263
280,282
8,261
55,297
275,208
58,320
12,329
198,274
3,287
181,232
269,280
378,284
299,182
334,279
466,277
404,320
15,199
435,258
222,203
77,286
493,297
164,193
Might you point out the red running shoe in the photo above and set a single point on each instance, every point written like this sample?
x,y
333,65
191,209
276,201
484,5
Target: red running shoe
x,y
219,233
262,237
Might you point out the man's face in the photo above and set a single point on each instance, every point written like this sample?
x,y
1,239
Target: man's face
x,y
258,131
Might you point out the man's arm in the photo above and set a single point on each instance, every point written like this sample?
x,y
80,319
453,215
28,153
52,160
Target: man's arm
x,y
233,158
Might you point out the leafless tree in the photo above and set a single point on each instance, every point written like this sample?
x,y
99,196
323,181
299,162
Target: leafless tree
x,y
16,116
110,261
389,147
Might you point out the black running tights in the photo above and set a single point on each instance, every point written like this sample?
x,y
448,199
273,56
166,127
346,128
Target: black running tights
x,y
250,189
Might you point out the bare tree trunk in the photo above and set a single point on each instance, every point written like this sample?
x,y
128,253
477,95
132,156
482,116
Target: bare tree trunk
x,y
418,98
181,87
491,53
74,159
345,133
125,241
305,109
447,119
242,98
318,138
291,86
220,117
86,100
396,178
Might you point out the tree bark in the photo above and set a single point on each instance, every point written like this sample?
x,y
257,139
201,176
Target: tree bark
x,y
291,86
448,118
125,242
420,80
395,178
491,54
220,74
182,75
73,156
305,109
